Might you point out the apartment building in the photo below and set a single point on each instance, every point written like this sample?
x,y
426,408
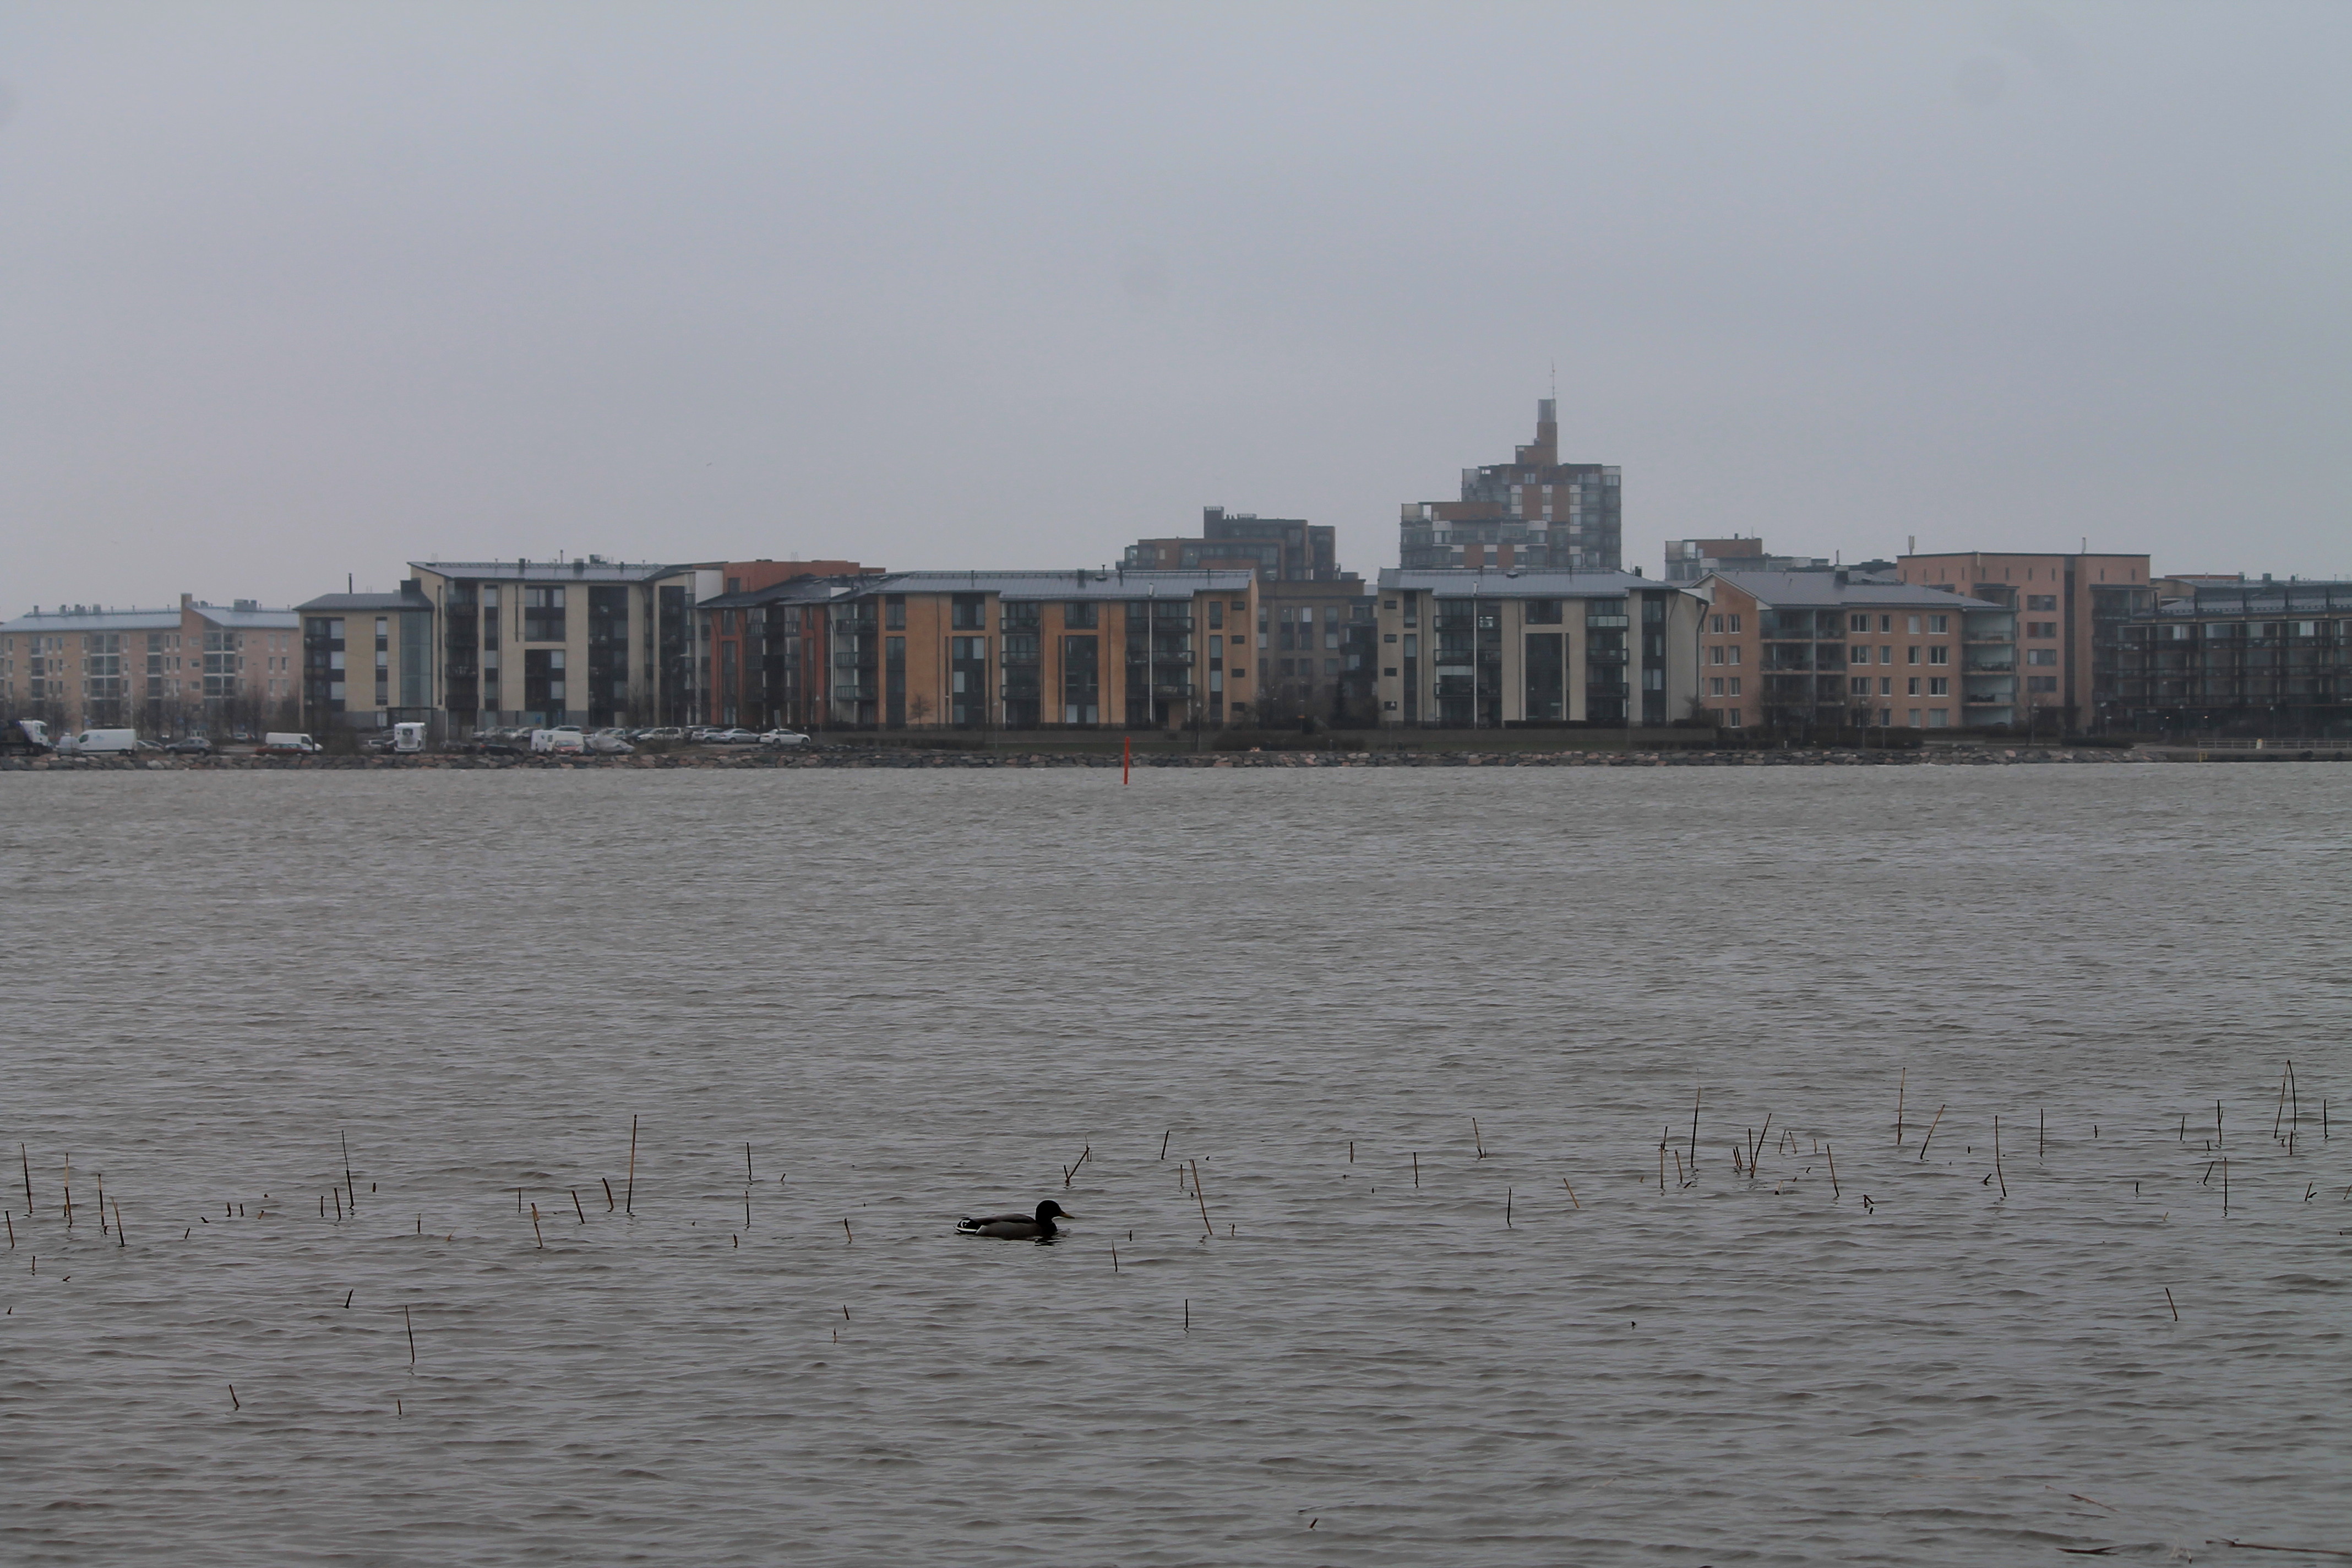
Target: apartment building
x,y
2225,656
1689,559
1799,651
1025,650
1468,649
1278,549
587,641
202,669
1534,511
367,659
1307,605
767,656
2061,674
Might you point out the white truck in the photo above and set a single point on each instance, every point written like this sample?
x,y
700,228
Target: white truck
x,y
25,738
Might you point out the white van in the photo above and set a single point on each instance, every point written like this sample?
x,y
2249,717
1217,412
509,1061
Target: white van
x,y
95,742
288,743
561,738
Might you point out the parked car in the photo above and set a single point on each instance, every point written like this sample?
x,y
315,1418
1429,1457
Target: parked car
x,y
610,743
559,738
287,743
734,738
664,733
783,738
191,746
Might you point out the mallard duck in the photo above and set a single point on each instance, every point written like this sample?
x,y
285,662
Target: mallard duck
x,y
1018,1227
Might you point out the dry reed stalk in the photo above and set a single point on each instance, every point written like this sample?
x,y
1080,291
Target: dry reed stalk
x,y
1507,1195
849,1234
1900,1085
12,1233
1833,1184
1695,1096
233,1404
1996,1158
609,1204
347,1173
1201,1201
101,1203
1114,1260
2225,1187
1416,1169
67,1181
2170,1302
1163,1141
1187,1314
339,1204
410,1323
26,1160
119,1240
1351,1151
534,1227
747,1164
2279,1114
1931,1133
629,1201
1476,1140
576,1208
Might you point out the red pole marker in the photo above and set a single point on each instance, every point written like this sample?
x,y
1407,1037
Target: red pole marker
x,y
1126,756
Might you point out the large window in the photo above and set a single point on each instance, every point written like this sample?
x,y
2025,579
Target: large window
x,y
1078,613
542,615
969,613
1082,677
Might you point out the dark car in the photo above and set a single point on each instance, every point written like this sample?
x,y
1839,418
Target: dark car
x,y
190,746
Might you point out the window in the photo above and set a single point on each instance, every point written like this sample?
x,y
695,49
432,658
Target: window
x,y
1735,686
1714,686
1940,686
2041,628
542,615
2041,656
2041,601
2040,683
1216,646
1715,625
1735,719
1911,687
1078,613
1886,623
1734,654
1544,613
1939,655
1858,687
1858,624
893,611
1735,626
1715,655
1216,614
1940,626
1886,686
1938,718
1913,656
969,613
1912,625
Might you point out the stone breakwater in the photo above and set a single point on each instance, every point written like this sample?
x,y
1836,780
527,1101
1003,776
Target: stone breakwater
x,y
892,757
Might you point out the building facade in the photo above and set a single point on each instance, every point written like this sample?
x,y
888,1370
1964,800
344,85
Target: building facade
x,y
1534,511
2061,673
1689,559
1025,650
202,669
1278,549
2233,657
367,659
1468,649
1798,652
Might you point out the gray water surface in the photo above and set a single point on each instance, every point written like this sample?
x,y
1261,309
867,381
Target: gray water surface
x,y
918,996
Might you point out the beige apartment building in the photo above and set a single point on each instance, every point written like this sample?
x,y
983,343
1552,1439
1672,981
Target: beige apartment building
x,y
468,645
1472,649
1797,651
202,669
2068,611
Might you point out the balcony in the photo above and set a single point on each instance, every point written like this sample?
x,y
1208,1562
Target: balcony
x,y
1160,623
855,661
1172,689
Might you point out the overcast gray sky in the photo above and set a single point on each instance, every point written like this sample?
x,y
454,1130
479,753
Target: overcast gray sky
x,y
289,292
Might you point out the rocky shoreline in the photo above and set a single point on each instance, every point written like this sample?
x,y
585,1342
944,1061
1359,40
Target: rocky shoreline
x,y
894,757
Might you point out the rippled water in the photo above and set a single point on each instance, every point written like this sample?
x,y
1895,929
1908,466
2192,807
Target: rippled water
x,y
918,996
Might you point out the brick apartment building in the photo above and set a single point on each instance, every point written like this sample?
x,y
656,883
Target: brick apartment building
x,y
1533,511
201,668
1467,649
1794,652
761,641
2065,609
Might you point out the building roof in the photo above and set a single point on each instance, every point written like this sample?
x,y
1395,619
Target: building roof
x,y
1532,582
90,618
791,591
249,617
1799,590
587,569
356,604
1110,583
